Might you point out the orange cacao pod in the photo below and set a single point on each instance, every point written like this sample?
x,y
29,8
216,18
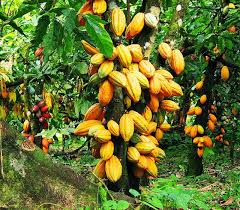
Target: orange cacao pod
x,y
146,68
83,128
135,27
133,155
105,94
211,125
176,88
99,169
158,152
26,126
165,127
193,132
200,152
113,169
39,52
155,85
177,62
154,102
118,21
113,127
85,9
117,78
142,162
133,87
169,105
89,48
225,73
126,127
207,141
199,85
151,168
139,121
94,112
159,134
203,99
147,114
166,74
136,52
106,150
198,110
165,50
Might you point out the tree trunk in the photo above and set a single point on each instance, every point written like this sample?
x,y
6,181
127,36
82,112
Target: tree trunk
x,y
32,180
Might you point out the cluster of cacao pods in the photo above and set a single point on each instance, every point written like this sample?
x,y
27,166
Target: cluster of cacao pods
x,y
202,142
220,136
195,110
45,144
212,120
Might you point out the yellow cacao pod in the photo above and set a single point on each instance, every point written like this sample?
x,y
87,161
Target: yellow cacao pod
x,y
151,168
207,141
177,62
196,140
127,102
133,155
113,168
99,169
126,127
97,59
200,152
125,71
193,132
94,129
133,67
102,136
152,126
135,27
159,134
117,78
105,69
133,87
225,73
94,112
213,118
166,74
155,85
89,48
83,127
147,114
99,6
165,127
198,110
26,125
211,125
151,20
124,55
169,105
165,50
118,21
166,89
146,68
191,111
203,99
113,127
200,129
157,152
145,147
154,102
142,162
105,93
106,150
140,122
142,79
136,52
176,88
152,139
114,54
199,85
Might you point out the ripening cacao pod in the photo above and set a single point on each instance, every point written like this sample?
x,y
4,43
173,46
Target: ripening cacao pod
x,y
94,112
97,59
133,87
94,129
199,85
150,20
85,9
142,79
4,89
176,88
151,168
147,114
146,68
213,118
117,78
92,70
138,172
165,127
113,168
152,139
191,111
203,99
225,73
99,169
113,127
169,105
89,48
196,140
39,52
194,131
155,85
223,131
139,121
118,21
83,127
136,52
102,136
211,125
200,152
177,62
166,89
198,110
159,134
105,69
135,27
154,102
152,126
105,93
99,6
133,155
106,150
165,50
145,147
166,74
200,129
124,55
133,67
126,127
142,162
157,152
26,125
207,141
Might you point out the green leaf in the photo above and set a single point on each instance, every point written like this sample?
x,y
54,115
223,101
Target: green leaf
x,y
41,29
99,35
135,193
24,9
121,205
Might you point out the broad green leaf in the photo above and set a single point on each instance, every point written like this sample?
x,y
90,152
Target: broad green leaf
x,y
133,192
24,9
99,35
121,205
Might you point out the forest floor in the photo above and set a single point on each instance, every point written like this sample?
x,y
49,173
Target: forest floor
x,y
218,187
